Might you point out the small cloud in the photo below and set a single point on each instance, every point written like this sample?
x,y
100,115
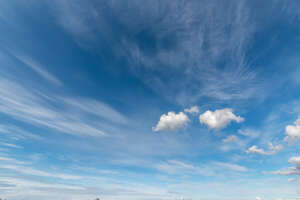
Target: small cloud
x,y
292,180
230,138
293,131
233,167
249,132
192,110
294,170
219,118
257,198
273,150
171,122
295,161
39,70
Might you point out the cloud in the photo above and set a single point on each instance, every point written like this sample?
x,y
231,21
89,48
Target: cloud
x,y
35,172
295,161
233,142
233,167
230,138
249,133
219,118
292,180
77,116
293,131
11,160
192,110
273,150
153,39
294,170
179,167
10,145
208,169
38,69
171,122
257,198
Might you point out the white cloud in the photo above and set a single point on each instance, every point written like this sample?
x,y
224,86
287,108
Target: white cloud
x,y
294,170
293,131
192,110
273,150
230,138
257,198
249,132
35,172
219,118
179,167
295,161
171,122
228,83
77,116
38,69
10,145
208,169
292,180
233,167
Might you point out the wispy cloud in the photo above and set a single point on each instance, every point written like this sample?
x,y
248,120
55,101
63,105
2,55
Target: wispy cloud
x,y
272,150
35,172
36,107
185,37
209,169
39,69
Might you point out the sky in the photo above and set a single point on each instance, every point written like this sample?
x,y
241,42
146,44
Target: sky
x,y
150,100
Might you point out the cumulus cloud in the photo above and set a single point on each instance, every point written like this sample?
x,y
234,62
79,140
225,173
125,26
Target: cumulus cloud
x,y
295,161
171,122
219,118
294,170
272,150
257,198
192,110
293,131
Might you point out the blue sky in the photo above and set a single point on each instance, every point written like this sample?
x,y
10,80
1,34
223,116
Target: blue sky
x,y
150,100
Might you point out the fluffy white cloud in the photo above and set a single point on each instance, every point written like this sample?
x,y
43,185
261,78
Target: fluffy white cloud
x,y
192,110
255,149
295,161
171,122
273,150
219,118
293,131
257,198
